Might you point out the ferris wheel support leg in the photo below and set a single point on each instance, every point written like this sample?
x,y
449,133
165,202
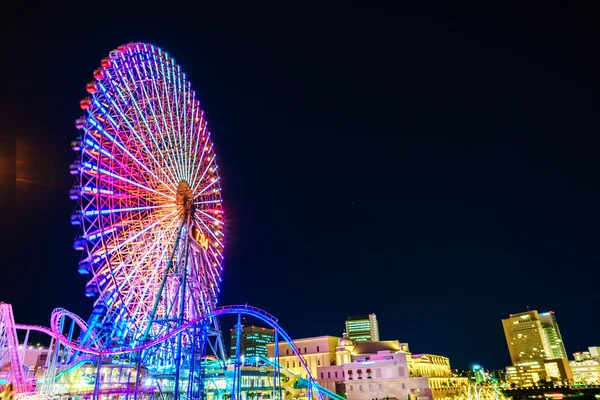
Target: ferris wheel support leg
x,y
137,374
276,365
97,383
181,318
191,385
163,282
237,366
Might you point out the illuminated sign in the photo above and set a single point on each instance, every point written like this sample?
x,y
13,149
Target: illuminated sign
x,y
199,237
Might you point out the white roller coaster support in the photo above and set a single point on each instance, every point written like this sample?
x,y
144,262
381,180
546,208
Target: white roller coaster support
x,y
7,320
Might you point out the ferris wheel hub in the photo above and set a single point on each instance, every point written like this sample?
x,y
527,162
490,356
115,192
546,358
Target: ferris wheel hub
x,y
184,198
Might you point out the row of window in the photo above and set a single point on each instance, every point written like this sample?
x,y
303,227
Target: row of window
x,y
329,374
370,387
287,351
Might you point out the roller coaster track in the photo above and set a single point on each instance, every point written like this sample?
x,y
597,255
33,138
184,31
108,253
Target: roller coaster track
x,y
58,315
7,321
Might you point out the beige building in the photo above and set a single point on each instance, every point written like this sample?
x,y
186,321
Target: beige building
x,y
369,370
536,349
316,352
525,337
429,365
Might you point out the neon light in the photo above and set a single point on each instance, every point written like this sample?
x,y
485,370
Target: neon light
x,y
96,191
119,210
101,233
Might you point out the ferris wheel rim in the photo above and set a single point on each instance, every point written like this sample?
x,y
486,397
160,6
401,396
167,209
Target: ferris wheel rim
x,y
145,146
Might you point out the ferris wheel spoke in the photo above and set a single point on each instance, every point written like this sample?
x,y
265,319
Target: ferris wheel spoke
x,y
161,133
139,113
208,202
123,179
180,108
121,146
206,169
200,134
194,149
209,185
111,251
166,82
119,271
197,169
212,287
186,146
172,148
120,210
208,229
174,111
136,278
117,127
180,133
210,267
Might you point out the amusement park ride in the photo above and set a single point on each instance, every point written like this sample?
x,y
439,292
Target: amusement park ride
x,y
151,229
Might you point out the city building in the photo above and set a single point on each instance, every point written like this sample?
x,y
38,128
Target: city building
x,y
531,373
586,366
536,349
363,328
525,337
254,341
386,369
316,352
555,342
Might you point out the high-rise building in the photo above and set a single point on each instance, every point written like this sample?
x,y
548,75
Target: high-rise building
x,y
555,342
253,342
526,338
536,349
363,328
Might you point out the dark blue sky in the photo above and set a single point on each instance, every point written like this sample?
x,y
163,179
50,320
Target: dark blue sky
x,y
437,166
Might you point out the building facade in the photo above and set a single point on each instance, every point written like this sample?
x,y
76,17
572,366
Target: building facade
x,y
525,337
555,342
531,373
363,328
316,351
386,369
536,349
254,341
586,366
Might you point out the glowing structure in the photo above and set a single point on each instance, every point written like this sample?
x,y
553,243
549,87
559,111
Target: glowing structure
x,y
150,220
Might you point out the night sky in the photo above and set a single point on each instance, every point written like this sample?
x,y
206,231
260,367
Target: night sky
x,y
436,166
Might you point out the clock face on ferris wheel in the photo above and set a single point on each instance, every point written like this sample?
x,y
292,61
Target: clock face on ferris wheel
x,y
148,192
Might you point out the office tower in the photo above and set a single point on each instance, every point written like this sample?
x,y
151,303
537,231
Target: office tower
x,y
526,338
254,341
555,342
363,328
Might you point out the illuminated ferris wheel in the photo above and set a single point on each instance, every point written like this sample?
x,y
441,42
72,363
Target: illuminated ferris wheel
x,y
149,199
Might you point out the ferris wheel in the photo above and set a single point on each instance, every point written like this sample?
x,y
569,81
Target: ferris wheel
x,y
148,194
